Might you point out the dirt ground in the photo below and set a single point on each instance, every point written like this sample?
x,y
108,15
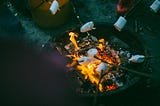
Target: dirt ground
x,y
143,22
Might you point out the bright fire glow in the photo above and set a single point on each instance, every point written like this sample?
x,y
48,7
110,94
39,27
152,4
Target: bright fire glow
x,y
88,68
111,87
73,39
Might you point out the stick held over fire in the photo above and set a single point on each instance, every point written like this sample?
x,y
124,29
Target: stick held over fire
x,y
140,58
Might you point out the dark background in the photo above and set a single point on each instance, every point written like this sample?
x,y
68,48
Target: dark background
x,y
30,77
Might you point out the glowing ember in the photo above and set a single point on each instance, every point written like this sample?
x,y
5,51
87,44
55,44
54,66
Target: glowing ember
x,y
97,61
112,87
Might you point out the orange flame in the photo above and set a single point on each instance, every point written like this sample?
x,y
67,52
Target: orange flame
x,y
73,40
89,73
88,69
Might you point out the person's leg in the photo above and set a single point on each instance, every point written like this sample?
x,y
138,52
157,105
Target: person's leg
x,y
123,6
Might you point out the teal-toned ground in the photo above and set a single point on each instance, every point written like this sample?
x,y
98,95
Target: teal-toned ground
x,y
16,24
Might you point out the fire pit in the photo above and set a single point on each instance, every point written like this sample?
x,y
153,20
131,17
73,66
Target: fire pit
x,y
101,62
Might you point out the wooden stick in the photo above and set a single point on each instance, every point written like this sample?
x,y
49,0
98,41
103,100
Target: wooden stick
x,y
136,72
41,3
76,14
37,6
78,17
132,8
150,57
136,26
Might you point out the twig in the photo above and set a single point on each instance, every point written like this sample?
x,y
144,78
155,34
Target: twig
x,y
136,72
96,93
41,3
77,16
59,50
136,26
37,6
131,9
150,57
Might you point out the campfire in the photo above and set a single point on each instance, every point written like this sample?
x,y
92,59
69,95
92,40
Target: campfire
x,y
100,64
96,61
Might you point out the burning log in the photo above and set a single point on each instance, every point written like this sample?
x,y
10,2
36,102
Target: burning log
x,y
99,63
